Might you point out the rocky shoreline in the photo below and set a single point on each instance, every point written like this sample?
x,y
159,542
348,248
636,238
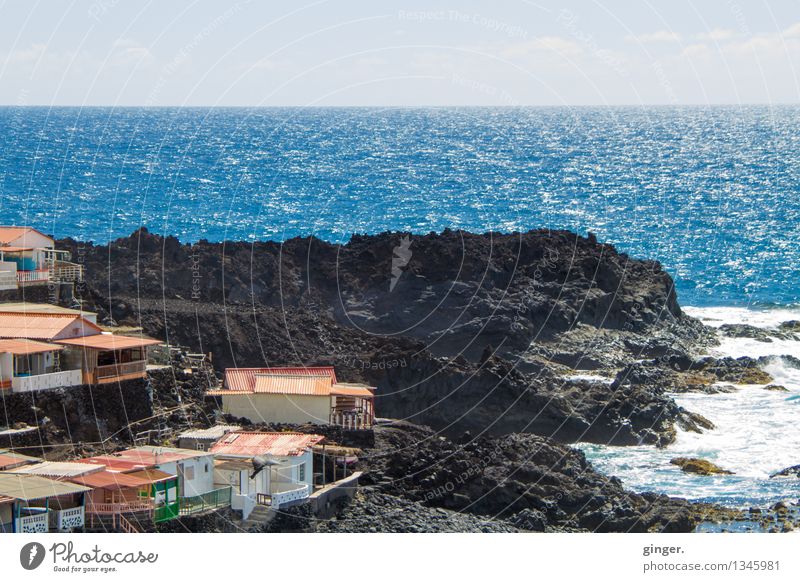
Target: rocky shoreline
x,y
508,346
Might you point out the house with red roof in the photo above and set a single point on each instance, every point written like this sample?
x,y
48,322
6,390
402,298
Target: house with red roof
x,y
267,468
43,347
296,396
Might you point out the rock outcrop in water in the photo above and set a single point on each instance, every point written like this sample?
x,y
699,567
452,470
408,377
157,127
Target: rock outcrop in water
x,y
458,331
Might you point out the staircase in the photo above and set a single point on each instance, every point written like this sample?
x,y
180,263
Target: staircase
x,y
258,518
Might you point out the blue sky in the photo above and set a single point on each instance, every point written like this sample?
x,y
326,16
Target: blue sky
x,y
512,52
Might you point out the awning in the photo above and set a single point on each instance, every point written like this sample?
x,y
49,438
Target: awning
x,y
361,390
30,487
23,347
111,481
107,342
152,475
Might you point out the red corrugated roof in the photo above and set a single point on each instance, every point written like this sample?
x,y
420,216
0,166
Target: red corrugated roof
x,y
245,378
251,444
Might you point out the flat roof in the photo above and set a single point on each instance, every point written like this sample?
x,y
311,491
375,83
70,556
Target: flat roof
x,y
24,307
9,459
30,487
109,480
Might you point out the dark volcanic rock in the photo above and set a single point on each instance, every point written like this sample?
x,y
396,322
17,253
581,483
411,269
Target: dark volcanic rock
x,y
793,471
416,320
518,477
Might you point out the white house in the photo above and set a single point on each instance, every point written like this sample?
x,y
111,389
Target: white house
x,y
270,468
30,257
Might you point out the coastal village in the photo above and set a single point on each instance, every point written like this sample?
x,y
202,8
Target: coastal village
x,y
209,468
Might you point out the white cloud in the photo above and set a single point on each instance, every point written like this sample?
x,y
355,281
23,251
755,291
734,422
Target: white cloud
x,y
717,35
655,37
126,52
556,44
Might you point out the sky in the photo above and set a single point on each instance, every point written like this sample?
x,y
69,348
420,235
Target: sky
x,y
409,53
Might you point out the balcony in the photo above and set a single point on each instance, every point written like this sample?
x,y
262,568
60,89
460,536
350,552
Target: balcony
x,y
211,500
65,272
113,372
46,381
67,519
36,523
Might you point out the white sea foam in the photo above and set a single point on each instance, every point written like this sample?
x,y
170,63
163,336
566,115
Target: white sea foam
x,y
756,429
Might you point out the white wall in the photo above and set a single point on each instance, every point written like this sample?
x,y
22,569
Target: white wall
x,y
198,474
33,239
78,328
279,408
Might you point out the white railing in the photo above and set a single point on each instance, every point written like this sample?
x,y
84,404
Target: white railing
x,y
38,523
33,276
284,493
67,272
46,381
66,519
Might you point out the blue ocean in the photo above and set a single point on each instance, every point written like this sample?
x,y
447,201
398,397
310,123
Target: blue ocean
x,y
711,192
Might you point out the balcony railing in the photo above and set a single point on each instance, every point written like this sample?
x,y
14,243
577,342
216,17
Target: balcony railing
x,y
353,420
282,494
65,272
122,507
46,381
67,519
39,276
211,500
115,370
37,523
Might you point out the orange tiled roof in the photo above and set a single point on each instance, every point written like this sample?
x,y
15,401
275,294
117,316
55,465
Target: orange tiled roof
x,y
352,390
22,347
109,342
108,480
251,444
37,325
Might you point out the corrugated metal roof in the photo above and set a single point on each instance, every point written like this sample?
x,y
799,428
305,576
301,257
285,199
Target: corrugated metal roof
x,y
214,432
10,459
41,326
277,444
21,347
244,378
107,342
109,480
287,384
58,469
29,487
142,458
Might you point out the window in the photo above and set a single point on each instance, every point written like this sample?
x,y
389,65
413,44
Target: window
x,y
188,473
301,472
200,447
